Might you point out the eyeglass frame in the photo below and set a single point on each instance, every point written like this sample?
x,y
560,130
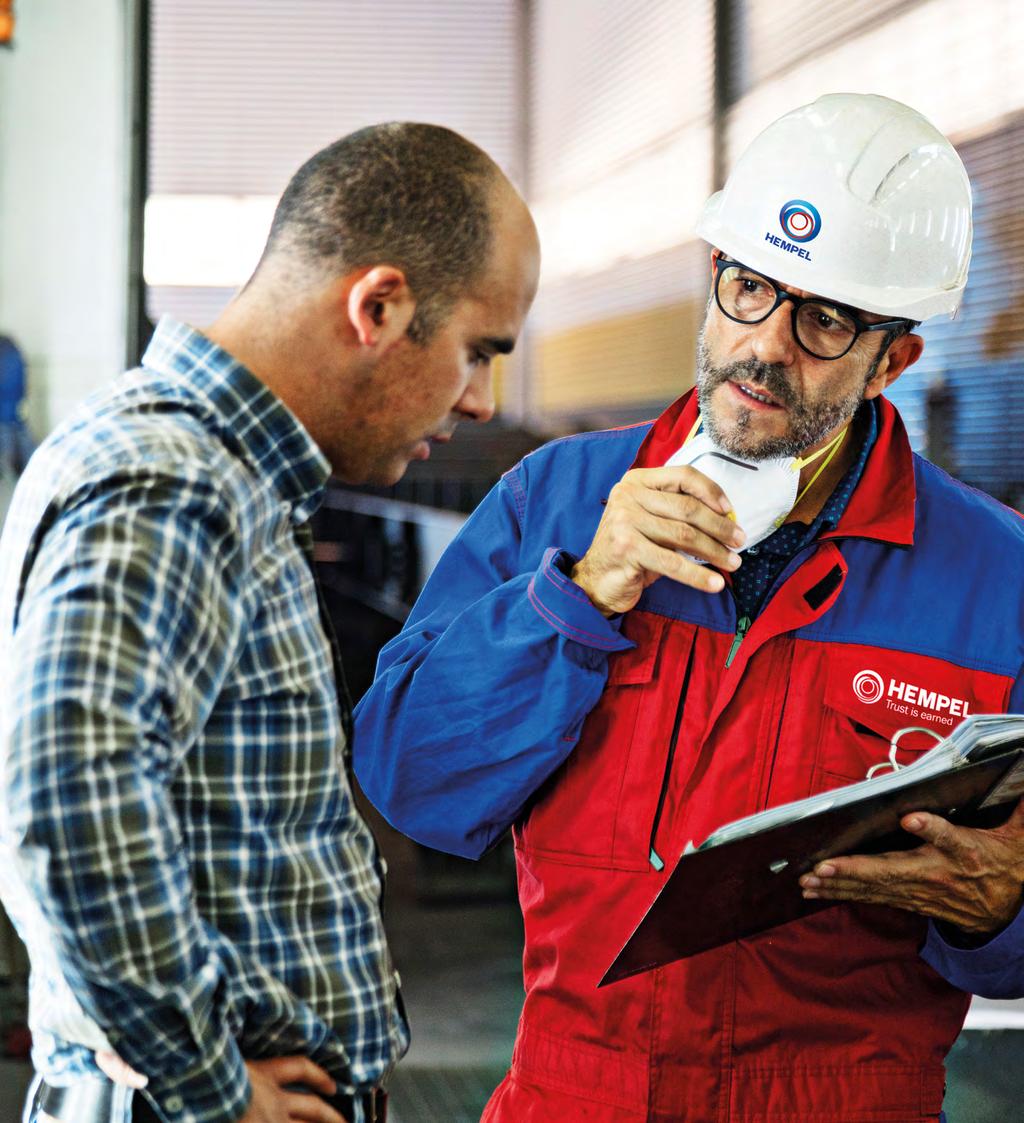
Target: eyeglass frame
x,y
781,295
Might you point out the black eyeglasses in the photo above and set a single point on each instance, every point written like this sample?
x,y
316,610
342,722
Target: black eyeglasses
x,y
821,328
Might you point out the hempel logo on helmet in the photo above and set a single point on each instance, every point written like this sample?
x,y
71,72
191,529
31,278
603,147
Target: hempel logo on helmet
x,y
800,222
908,698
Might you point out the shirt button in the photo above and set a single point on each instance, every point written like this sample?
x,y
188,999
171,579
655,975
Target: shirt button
x,y
174,1103
752,550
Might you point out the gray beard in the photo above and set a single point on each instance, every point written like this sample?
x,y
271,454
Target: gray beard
x,y
808,424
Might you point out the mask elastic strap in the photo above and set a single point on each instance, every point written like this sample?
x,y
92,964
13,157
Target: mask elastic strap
x,y
693,431
831,448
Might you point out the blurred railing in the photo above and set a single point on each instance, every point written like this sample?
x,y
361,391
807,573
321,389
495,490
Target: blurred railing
x,y
377,546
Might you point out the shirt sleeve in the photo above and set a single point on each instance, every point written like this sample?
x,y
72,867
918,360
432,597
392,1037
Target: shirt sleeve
x,y
126,627
483,693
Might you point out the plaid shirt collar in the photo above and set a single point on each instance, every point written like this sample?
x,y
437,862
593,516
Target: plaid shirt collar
x,y
268,435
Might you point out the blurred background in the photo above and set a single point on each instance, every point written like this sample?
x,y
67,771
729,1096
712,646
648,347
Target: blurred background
x,y
143,144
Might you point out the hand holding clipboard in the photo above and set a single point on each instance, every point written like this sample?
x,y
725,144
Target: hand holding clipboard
x,y
748,876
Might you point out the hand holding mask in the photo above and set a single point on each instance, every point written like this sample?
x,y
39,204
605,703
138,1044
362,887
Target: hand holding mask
x,y
762,492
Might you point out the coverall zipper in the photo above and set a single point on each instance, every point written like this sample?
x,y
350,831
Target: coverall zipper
x,y
657,862
744,622
743,625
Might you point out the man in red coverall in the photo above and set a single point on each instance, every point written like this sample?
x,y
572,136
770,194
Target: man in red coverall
x,y
607,660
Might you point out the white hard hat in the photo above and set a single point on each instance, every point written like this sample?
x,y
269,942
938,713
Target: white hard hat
x,y
854,197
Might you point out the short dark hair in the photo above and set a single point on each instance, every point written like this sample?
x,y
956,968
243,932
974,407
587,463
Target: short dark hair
x,y
413,195
888,339
897,332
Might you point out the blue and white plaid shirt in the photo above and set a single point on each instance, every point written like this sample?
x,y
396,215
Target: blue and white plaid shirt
x,y
181,852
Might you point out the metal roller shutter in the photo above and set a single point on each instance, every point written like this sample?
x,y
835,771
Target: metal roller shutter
x,y
959,66
974,365
620,163
778,35
611,79
243,91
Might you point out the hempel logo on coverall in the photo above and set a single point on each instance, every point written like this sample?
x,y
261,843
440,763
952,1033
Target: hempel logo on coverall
x,y
908,698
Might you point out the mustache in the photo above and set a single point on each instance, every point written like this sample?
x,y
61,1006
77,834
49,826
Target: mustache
x,y
771,377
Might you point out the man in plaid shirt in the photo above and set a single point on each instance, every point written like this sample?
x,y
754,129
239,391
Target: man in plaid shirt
x,y
181,853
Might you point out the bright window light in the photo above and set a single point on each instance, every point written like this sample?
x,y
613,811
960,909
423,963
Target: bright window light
x,y
205,240
649,204
962,71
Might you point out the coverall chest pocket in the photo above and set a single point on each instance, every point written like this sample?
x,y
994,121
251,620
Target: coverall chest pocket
x,y
597,809
871,698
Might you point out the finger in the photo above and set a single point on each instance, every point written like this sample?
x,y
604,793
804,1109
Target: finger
x,y
938,831
686,480
857,892
297,1070
695,512
675,535
869,884
119,1071
909,896
667,563
904,879
896,867
311,1109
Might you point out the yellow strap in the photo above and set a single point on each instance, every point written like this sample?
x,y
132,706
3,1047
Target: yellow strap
x,y
831,448
798,462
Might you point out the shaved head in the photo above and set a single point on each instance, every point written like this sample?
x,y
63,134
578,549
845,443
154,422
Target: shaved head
x,y
419,197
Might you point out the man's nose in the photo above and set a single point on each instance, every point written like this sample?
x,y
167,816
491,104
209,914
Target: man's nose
x,y
477,403
773,340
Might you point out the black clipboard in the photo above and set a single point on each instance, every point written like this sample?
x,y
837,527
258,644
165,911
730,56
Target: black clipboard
x,y
748,885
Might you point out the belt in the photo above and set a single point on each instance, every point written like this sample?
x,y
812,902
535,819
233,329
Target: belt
x,y
374,1104
96,1101
86,1101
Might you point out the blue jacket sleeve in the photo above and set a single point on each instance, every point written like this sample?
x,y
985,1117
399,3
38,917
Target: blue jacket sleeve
x,y
996,968
483,693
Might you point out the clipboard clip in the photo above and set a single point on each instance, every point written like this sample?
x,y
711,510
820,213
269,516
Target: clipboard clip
x,y
892,764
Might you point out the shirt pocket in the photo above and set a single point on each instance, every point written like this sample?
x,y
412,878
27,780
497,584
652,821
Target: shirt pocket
x,y
598,808
872,697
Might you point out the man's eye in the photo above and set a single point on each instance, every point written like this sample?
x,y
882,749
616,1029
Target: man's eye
x,y
831,323
750,285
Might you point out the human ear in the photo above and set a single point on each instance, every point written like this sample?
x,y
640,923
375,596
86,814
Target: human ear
x,y
903,353
379,306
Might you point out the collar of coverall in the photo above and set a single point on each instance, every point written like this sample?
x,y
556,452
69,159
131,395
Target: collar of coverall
x,y
882,506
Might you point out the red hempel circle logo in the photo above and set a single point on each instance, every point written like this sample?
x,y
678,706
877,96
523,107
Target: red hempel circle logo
x,y
800,220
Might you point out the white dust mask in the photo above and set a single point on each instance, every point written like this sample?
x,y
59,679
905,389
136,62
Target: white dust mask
x,y
762,492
